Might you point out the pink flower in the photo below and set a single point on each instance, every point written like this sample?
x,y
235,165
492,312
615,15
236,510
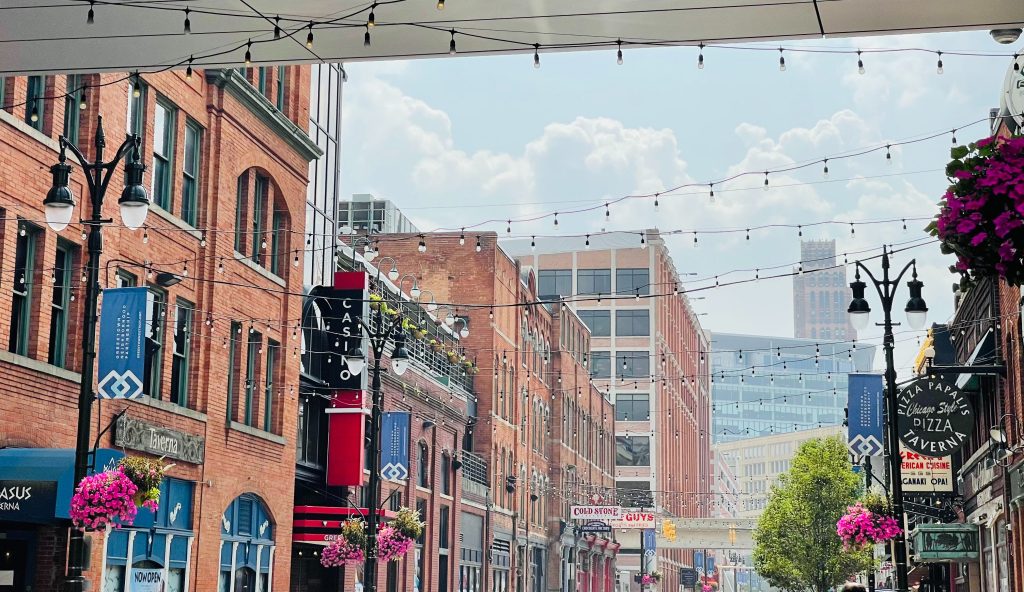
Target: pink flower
x,y
978,238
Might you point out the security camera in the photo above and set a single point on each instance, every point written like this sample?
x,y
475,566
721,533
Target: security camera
x,y
1005,36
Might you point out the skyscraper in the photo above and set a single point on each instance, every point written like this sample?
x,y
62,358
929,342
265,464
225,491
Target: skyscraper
x,y
820,298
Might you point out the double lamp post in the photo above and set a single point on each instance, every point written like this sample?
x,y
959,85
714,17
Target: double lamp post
x,y
917,312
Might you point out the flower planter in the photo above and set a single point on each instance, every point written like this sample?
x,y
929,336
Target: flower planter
x,y
981,217
146,474
868,523
394,540
104,499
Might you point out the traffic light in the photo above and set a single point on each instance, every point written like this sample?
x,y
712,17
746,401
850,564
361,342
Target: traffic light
x,y
668,530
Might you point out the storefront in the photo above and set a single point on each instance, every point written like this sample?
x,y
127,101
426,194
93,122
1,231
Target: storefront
x,y
501,564
246,546
157,549
471,553
35,495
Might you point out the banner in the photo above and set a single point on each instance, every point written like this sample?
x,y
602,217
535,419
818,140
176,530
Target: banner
x,y
926,474
865,435
650,542
698,561
146,580
122,345
394,445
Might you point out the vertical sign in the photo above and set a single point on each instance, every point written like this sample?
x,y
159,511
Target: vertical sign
x,y
650,542
698,561
394,445
865,402
347,415
122,346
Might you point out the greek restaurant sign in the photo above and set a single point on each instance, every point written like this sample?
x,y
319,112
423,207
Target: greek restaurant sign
x,y
140,435
934,417
27,501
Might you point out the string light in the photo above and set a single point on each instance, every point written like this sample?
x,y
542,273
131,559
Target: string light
x,y
711,188
533,244
508,228
82,99
607,213
824,171
366,37
556,218
277,27
782,61
860,63
451,44
145,236
422,247
248,53
440,4
90,18
938,65
536,55
618,59
695,240
766,180
136,86
954,129
372,20
587,243
700,56
309,36
479,247
188,22
188,70
462,237
656,201
888,154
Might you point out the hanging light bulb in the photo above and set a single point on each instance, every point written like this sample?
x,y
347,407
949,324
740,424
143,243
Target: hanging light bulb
x,y
82,99
248,52
309,36
462,237
618,59
888,154
366,37
479,247
533,244
766,180
136,86
782,61
422,247
695,240
145,236
700,57
643,241
860,63
188,22
90,18
954,131
220,266
536,55
371,20
440,4
556,218
188,70
451,44
824,171
277,27
34,116
587,243
938,65
508,227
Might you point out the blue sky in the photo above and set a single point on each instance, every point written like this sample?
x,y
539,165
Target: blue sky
x,y
457,141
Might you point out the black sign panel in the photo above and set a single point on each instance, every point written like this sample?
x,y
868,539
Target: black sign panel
x,y
595,527
687,577
158,440
935,418
27,501
341,307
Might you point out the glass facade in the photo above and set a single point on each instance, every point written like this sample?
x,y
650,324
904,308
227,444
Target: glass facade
x,y
322,194
770,385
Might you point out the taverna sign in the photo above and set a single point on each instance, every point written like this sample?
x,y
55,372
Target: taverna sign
x,y
935,418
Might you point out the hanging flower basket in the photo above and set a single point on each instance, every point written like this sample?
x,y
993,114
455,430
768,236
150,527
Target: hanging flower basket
x,y
146,474
435,345
392,545
648,579
104,499
981,216
347,549
375,301
868,522
407,522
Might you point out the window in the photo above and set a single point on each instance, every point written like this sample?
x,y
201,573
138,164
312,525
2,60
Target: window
x,y
180,356
555,283
281,74
423,475
163,151
261,79
632,407
632,323
275,240
233,343
633,451
155,313
24,288
136,108
253,351
268,385
598,321
241,189
74,96
126,279
594,281
635,494
634,364
600,364
62,270
446,474
632,281
3,90
34,104
259,205
190,173
444,527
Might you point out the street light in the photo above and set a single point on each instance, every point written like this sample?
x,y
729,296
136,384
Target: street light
x,y
917,312
379,332
59,205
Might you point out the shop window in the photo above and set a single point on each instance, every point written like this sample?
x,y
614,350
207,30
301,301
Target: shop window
x,y
247,543
24,292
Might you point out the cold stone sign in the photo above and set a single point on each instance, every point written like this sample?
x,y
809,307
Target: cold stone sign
x,y
934,417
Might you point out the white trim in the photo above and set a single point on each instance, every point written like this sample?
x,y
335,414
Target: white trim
x,y
349,411
270,570
259,552
168,537
103,564
188,563
234,554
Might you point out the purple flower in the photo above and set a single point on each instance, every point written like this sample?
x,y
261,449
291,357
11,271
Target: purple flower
x,y
978,238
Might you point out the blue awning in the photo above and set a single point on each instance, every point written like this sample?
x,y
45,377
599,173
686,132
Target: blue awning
x,y
36,483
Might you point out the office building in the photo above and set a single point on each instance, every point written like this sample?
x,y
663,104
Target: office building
x,y
365,214
821,294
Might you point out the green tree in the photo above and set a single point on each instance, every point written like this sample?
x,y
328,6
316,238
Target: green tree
x,y
796,545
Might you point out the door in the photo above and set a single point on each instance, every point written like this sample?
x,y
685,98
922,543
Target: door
x,y
14,566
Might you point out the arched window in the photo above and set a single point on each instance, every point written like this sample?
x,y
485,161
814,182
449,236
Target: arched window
x,y
261,221
446,474
500,486
247,546
423,473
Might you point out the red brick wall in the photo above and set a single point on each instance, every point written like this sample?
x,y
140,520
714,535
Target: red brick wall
x,y
39,406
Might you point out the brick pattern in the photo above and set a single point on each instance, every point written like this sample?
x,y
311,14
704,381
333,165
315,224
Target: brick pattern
x,y
42,401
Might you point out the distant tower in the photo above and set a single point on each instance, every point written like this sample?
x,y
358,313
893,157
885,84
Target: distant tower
x,y
820,294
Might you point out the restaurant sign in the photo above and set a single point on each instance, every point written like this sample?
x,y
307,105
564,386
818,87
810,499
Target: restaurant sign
x,y
27,501
934,417
945,542
160,441
634,521
595,512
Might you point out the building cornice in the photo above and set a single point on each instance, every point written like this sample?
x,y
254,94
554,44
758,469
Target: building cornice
x,y
240,88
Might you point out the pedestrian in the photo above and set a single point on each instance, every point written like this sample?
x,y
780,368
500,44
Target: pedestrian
x,y
854,587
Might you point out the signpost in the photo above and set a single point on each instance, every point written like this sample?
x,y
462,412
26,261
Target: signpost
x,y
934,417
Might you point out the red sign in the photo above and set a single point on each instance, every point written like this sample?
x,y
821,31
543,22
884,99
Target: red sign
x,y
346,424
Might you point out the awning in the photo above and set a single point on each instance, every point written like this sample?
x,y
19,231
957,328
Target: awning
x,y
984,351
320,525
36,483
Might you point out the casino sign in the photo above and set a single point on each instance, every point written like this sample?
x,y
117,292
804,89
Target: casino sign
x,y
934,417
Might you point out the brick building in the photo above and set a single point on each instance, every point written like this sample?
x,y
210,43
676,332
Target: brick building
x,y
649,353
227,166
523,432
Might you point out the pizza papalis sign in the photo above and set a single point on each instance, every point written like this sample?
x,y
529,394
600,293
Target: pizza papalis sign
x,y
935,418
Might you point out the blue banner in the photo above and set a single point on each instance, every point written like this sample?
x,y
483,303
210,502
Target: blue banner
x,y
865,404
394,445
711,564
698,561
122,346
650,540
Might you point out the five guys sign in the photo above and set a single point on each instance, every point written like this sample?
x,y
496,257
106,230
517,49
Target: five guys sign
x,y
935,418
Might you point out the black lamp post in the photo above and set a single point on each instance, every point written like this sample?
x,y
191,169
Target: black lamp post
x,y
379,333
60,205
917,311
